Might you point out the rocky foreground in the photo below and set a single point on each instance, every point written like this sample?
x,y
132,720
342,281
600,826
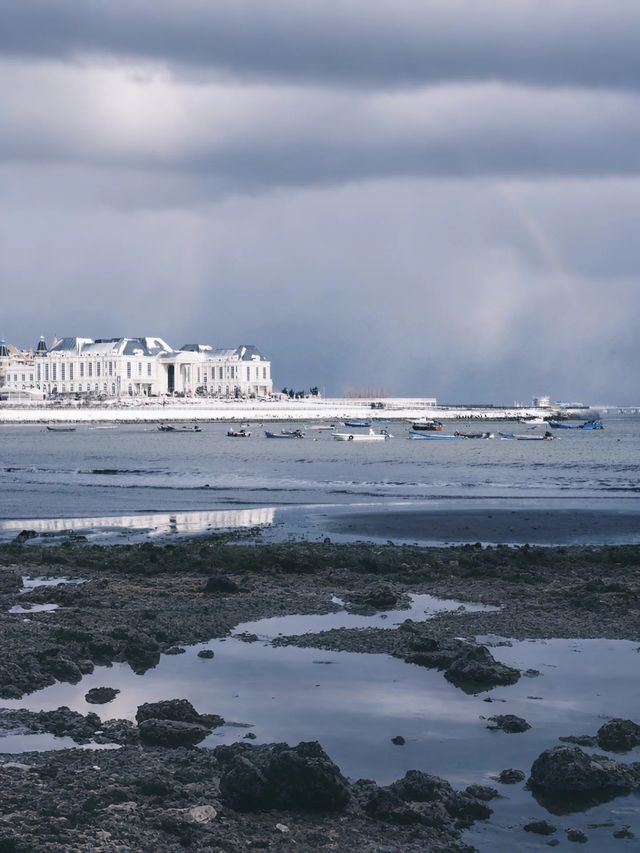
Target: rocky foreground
x,y
158,791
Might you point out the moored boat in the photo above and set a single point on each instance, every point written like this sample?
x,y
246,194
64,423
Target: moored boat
x,y
429,436
358,424
179,428
383,435
294,433
238,433
61,428
427,425
568,425
475,434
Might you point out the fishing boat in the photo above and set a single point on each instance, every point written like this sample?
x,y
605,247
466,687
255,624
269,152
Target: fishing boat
x,y
179,428
293,433
428,436
475,434
61,428
383,435
533,421
239,433
512,436
568,425
427,425
358,424
323,428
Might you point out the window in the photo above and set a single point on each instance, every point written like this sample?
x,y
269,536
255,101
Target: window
x,y
97,368
113,388
62,370
264,372
139,368
110,368
82,368
90,369
53,372
46,372
248,374
71,371
148,368
38,372
129,373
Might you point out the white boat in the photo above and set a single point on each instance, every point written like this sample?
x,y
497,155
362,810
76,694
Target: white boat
x,y
383,435
533,421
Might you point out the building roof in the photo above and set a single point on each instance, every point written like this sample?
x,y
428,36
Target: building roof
x,y
112,346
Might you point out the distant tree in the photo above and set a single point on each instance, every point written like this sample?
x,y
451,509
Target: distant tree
x,y
292,393
315,391
285,391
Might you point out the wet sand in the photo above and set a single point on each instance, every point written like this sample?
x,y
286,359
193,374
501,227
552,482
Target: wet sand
x,y
491,525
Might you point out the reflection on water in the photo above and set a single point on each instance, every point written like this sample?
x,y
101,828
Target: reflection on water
x,y
153,524
33,608
355,703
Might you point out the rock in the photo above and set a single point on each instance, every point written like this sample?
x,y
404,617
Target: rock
x,y
618,735
206,653
531,673
511,776
279,776
466,665
10,581
398,740
220,583
175,650
101,695
203,814
250,736
24,536
481,792
466,810
385,805
540,827
171,733
86,666
420,787
140,650
118,731
576,836
568,770
509,723
61,722
64,669
177,710
580,740
625,832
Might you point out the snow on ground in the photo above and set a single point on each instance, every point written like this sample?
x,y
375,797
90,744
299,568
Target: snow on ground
x,y
145,411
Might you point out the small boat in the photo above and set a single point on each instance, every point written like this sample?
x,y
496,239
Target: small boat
x,y
357,424
533,421
61,428
383,435
428,436
323,428
179,428
427,425
511,436
239,433
292,433
568,425
475,434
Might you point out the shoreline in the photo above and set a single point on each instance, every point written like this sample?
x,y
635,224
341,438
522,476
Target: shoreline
x,y
206,411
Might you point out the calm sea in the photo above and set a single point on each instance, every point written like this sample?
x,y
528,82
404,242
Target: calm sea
x,y
128,477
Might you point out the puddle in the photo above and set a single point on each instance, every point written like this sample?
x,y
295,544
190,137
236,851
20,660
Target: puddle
x,y
33,583
356,703
422,607
33,608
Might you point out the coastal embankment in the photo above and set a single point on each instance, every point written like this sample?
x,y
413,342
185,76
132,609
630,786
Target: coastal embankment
x,y
206,410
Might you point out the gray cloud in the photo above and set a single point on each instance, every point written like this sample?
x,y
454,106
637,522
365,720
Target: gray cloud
x,y
354,42
436,198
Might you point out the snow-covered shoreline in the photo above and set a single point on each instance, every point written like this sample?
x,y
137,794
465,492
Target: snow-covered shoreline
x,y
232,411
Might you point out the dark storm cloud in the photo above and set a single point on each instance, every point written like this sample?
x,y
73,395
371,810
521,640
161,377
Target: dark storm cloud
x,y
353,42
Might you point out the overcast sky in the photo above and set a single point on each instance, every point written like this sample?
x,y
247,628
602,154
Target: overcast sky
x,y
435,198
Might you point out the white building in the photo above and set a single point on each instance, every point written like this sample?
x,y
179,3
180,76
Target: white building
x,y
134,367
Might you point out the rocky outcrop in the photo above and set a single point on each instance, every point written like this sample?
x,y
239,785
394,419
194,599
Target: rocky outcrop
x,y
101,695
467,665
176,710
508,723
510,776
540,827
220,583
303,777
62,723
566,771
618,735
171,733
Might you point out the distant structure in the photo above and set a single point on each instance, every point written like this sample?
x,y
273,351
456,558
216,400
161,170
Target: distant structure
x,y
132,367
542,402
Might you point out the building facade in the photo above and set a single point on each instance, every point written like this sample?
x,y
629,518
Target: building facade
x,y
133,367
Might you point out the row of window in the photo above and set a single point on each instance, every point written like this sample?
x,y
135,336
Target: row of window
x,y
46,372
